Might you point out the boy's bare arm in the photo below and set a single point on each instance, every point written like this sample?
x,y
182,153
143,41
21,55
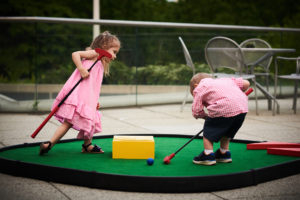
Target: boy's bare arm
x,y
246,85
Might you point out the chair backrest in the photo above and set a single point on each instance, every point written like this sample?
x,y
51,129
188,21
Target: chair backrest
x,y
251,57
223,52
187,56
297,59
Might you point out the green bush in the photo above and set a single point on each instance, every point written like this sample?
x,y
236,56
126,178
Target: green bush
x,y
56,76
120,74
171,74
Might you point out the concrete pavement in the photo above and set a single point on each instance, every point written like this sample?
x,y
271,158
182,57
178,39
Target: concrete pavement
x,y
16,129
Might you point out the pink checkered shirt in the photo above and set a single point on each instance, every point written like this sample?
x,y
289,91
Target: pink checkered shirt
x,y
222,97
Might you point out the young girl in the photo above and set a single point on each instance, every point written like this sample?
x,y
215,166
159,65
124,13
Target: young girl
x,y
80,109
227,106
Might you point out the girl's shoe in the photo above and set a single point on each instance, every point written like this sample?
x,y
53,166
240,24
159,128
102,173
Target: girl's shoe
x,y
223,158
95,149
45,150
203,159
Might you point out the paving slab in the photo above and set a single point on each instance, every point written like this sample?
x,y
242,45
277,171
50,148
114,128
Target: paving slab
x,y
27,189
16,128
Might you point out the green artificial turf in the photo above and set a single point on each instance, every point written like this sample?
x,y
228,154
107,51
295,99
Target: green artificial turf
x,y
68,155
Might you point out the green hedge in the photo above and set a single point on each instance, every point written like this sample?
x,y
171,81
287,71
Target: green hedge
x,y
171,74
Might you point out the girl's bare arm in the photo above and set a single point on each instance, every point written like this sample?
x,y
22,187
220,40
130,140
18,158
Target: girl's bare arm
x,y
78,56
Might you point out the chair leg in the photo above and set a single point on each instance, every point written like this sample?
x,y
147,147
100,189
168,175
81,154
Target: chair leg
x,y
255,92
275,89
269,100
295,97
184,100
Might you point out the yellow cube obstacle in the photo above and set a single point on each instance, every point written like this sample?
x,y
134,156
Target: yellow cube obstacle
x,y
133,147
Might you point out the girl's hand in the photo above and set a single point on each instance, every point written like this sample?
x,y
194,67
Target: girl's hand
x,y
77,58
84,73
98,106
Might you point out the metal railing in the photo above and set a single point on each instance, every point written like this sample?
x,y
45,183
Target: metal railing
x,y
145,24
38,95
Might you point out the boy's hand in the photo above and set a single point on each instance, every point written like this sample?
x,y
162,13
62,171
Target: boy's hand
x,y
98,106
246,85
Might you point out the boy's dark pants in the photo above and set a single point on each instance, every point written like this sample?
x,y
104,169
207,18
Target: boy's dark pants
x,y
216,128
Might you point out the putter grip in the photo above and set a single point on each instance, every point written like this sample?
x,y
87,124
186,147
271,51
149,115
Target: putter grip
x,y
249,91
171,156
44,122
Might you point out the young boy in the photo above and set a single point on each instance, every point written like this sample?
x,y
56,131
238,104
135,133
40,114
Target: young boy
x,y
227,106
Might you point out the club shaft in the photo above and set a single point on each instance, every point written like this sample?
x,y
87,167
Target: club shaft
x,y
44,122
189,141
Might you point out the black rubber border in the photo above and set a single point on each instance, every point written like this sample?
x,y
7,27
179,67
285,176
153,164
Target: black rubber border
x,y
145,183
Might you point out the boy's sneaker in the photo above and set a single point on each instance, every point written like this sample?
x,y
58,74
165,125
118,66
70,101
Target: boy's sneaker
x,y
203,159
223,158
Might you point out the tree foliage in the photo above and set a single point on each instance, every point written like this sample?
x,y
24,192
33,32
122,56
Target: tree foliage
x,y
41,52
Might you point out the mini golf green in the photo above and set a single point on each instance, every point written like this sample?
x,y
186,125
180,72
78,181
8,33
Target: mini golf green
x,y
251,166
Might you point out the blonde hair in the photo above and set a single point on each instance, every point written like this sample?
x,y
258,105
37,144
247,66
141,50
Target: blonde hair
x,y
196,80
105,41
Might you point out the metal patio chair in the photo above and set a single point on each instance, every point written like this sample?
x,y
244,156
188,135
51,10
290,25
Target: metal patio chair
x,y
251,57
224,53
190,64
295,77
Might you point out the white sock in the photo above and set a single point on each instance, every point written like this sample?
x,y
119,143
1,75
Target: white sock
x,y
223,150
207,151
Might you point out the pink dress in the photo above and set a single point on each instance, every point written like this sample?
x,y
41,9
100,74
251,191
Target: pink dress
x,y
79,108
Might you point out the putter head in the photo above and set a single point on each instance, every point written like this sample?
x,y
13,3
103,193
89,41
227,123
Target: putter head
x,y
102,53
167,160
